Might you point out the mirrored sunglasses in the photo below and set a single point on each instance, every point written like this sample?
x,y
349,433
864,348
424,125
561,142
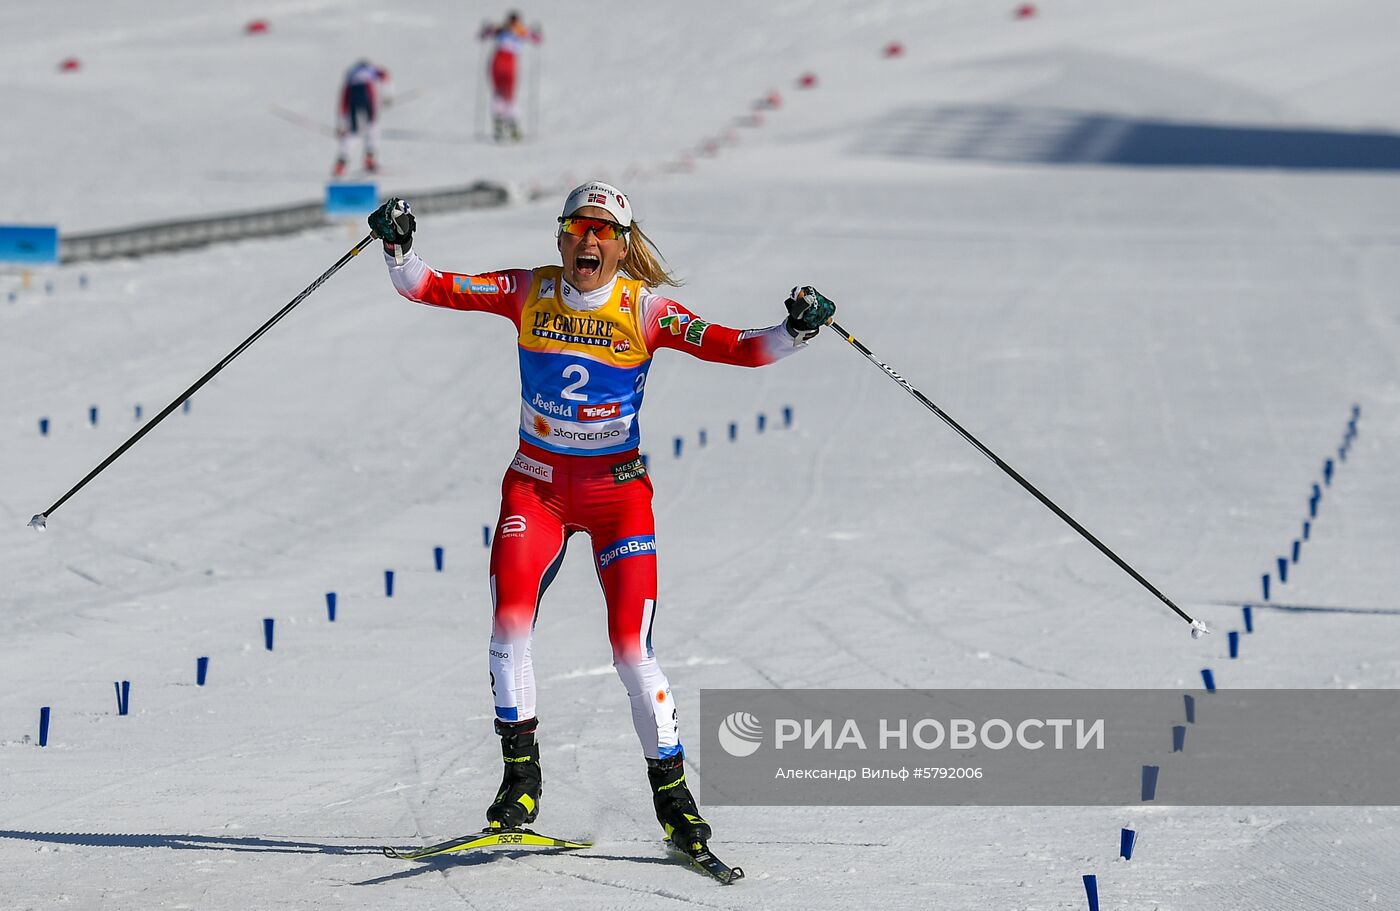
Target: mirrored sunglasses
x,y
579,225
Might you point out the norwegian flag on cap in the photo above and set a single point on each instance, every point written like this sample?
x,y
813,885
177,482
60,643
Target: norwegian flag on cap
x,y
604,196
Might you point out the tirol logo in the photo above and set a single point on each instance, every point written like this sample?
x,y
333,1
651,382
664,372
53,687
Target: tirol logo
x,y
599,412
740,734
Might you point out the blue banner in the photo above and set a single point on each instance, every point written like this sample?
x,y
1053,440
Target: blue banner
x,y
29,243
346,199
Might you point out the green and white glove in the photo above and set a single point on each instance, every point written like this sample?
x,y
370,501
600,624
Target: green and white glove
x,y
394,224
808,311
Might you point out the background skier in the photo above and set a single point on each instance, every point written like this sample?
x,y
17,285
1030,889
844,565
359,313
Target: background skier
x,y
510,38
358,113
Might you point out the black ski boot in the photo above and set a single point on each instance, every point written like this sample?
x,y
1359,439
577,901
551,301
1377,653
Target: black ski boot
x,y
675,806
518,801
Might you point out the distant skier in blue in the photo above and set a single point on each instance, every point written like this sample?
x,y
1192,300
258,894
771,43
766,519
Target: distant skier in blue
x,y
359,112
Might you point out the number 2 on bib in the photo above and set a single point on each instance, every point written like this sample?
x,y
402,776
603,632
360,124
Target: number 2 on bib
x,y
570,391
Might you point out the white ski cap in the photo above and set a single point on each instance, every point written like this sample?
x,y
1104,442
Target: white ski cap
x,y
604,196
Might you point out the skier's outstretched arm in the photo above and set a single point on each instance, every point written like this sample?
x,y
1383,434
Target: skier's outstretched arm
x,y
668,324
502,293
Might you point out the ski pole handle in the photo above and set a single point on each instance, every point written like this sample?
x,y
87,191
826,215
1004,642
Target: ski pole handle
x,y
399,215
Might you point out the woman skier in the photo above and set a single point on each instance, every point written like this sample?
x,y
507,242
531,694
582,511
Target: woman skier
x,y
587,331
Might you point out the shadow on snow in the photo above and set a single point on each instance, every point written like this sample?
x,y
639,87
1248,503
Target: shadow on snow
x,y
189,842
291,846
1012,134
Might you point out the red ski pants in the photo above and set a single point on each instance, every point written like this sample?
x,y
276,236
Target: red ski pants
x,y
503,78
545,498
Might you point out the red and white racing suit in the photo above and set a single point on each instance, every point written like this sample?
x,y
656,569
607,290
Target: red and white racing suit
x,y
510,41
584,359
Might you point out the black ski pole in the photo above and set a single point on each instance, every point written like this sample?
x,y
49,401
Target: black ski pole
x,y
1197,627
40,522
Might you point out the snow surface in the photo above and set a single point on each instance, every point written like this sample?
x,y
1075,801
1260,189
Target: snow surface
x,y
1168,351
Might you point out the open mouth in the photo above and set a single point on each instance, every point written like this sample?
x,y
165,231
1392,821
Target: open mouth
x,y
587,266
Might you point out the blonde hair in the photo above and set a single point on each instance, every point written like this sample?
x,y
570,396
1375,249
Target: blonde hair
x,y
644,262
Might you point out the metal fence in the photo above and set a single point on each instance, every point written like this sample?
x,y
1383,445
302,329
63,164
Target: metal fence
x,y
163,237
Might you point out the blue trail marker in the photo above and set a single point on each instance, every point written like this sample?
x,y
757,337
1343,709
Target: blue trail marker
x,y
1297,549
123,696
1178,737
1266,586
1307,529
1234,639
1190,709
437,559
1091,891
787,415
678,442
29,244
1282,570
1327,472
762,421
138,412
388,583
486,536
201,670
346,200
1209,678
733,430
1312,507
702,437
44,726
1248,618
92,415
267,632
43,427
330,606
1127,838
1149,781
185,406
